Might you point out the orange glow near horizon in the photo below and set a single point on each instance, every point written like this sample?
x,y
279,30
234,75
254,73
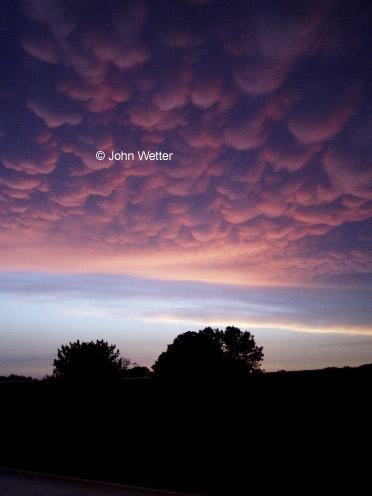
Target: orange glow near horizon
x,y
236,265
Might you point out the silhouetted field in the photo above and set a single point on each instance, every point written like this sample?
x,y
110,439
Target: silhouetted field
x,y
210,437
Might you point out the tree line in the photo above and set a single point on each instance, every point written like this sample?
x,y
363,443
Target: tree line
x,y
206,354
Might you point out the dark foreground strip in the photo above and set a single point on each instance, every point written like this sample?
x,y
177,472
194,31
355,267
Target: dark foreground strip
x,y
26,483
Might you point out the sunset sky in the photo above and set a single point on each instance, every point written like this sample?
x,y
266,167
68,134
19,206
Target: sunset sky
x,y
262,218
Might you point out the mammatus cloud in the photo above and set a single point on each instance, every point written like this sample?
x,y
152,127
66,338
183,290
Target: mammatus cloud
x,y
266,110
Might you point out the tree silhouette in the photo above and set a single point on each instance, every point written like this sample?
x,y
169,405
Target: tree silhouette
x,y
93,362
135,371
210,353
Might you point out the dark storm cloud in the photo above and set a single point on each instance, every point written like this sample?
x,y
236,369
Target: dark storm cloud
x,y
265,105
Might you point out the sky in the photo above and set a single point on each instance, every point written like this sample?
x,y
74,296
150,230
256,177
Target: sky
x,y
256,211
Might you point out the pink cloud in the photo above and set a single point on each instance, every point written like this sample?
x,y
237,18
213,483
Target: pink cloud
x,y
317,126
20,182
247,135
55,115
41,46
348,171
271,153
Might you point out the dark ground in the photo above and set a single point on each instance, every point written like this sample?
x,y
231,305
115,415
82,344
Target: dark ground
x,y
17,483
227,438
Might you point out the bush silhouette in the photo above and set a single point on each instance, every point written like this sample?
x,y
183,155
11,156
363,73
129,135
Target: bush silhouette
x,y
210,353
93,362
